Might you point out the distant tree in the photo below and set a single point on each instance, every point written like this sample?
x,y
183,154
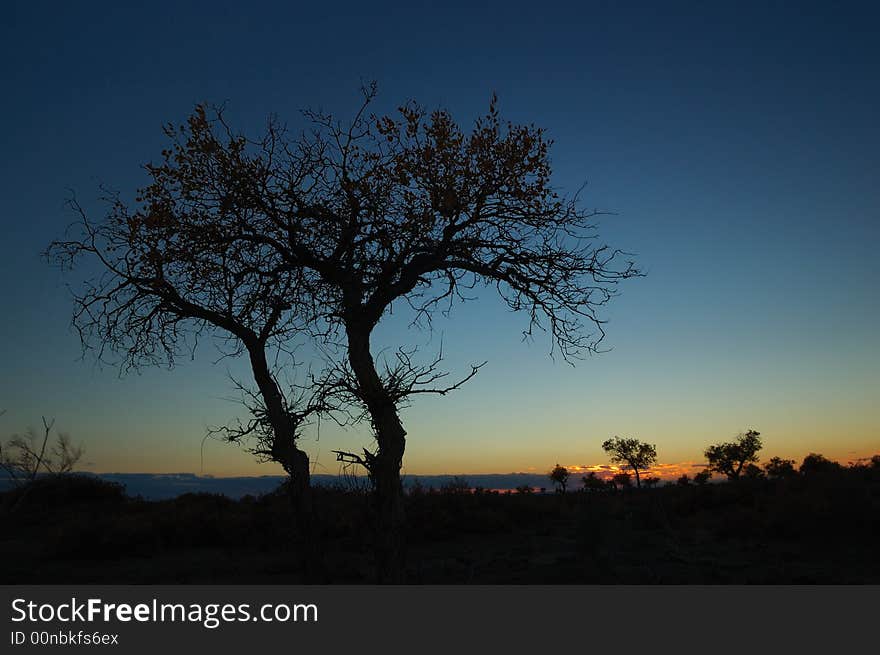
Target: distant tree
x,y
702,477
815,463
875,461
684,480
592,482
417,488
753,472
731,457
457,485
651,481
559,476
622,480
524,489
779,468
24,457
631,452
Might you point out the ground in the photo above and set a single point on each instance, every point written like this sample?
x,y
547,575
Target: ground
x,y
821,528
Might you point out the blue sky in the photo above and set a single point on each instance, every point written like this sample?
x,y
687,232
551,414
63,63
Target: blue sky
x,y
737,146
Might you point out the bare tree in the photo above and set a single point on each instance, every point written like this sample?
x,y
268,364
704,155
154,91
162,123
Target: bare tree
x,y
339,224
169,276
731,457
631,452
24,457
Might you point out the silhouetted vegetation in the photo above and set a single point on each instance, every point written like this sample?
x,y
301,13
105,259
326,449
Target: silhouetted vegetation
x,y
559,476
24,457
777,467
731,457
259,242
815,464
622,480
631,452
819,526
593,482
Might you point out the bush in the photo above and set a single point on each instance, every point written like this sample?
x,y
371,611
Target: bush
x,y
51,491
815,463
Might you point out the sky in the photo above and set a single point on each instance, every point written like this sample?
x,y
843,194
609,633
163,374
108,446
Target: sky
x,y
737,146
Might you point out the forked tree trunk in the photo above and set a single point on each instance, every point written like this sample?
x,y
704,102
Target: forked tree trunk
x,y
390,551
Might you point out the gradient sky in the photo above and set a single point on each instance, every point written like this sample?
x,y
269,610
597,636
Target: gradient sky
x,y
738,147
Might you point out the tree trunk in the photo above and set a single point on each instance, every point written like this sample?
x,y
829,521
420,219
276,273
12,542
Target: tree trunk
x,y
295,461
385,468
638,480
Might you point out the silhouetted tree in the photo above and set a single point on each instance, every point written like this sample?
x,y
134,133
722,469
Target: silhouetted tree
x,y
170,274
559,475
702,477
753,472
729,458
631,452
335,226
592,482
816,463
456,486
651,481
622,480
779,468
875,461
24,457
684,480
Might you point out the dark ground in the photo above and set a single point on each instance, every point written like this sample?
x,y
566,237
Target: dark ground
x,y
820,528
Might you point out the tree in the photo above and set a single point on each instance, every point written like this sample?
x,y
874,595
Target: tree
x,y
651,481
729,458
559,475
24,457
753,472
815,463
683,481
457,486
780,468
342,222
702,477
622,480
169,277
632,452
592,482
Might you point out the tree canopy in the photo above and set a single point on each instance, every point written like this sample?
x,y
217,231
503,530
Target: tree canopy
x,y
559,475
259,241
636,454
729,458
